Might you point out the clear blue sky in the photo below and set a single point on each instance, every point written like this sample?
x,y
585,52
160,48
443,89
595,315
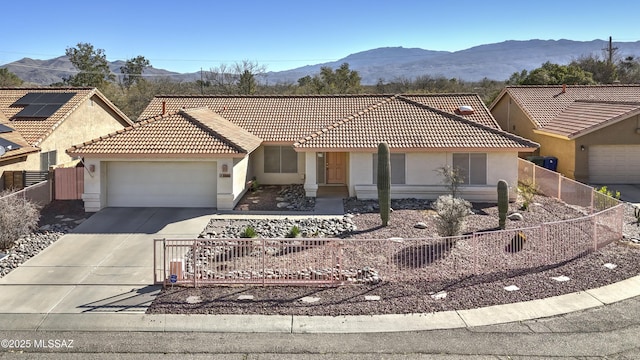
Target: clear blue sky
x,y
185,36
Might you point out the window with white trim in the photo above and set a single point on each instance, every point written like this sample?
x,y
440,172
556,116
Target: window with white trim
x,y
280,159
472,167
397,168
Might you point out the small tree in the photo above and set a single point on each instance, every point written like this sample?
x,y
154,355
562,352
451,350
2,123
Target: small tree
x,y
451,213
452,178
18,217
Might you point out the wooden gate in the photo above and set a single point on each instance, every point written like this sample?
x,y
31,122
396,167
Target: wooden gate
x,y
69,183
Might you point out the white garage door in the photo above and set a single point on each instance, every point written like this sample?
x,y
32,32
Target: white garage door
x,y
614,164
161,184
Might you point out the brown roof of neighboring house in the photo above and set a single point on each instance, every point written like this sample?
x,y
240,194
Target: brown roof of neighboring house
x,y
288,118
543,103
16,138
34,131
407,124
194,132
582,117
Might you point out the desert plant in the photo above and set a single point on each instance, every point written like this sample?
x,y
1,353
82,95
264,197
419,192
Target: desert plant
x,y
254,184
636,213
451,213
605,191
503,203
294,232
384,182
605,198
248,232
452,178
18,217
527,191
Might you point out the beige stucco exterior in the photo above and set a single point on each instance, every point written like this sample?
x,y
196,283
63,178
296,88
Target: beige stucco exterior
x,y
91,119
573,162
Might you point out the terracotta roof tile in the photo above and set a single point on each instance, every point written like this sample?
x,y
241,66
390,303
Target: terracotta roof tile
x,y
451,102
192,132
36,130
405,124
544,103
580,117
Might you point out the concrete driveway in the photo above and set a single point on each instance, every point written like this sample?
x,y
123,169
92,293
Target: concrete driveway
x,y
104,265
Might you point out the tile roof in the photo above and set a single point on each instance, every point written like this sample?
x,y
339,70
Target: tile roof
x,y
288,118
406,124
543,103
451,102
16,138
582,117
194,132
35,131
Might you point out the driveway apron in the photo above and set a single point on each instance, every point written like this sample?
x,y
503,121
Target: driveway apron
x,y
104,265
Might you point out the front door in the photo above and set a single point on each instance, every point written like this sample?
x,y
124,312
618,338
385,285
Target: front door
x,y
336,168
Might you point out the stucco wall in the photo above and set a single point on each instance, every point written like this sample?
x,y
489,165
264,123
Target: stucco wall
x,y
90,120
512,119
623,133
257,167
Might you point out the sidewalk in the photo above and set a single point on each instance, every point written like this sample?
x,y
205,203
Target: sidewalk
x,y
134,319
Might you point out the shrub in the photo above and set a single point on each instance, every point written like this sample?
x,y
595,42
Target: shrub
x,y
18,217
248,232
527,191
451,213
294,232
452,178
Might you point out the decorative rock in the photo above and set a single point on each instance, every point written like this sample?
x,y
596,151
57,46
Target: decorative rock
x,y
396,239
372,298
194,300
420,225
309,299
610,266
280,205
280,198
561,278
515,217
439,295
512,288
245,297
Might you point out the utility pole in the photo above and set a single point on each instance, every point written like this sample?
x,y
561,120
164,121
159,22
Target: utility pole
x,y
610,50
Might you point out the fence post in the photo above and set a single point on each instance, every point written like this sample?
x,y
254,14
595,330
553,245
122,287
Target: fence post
x,y
559,186
164,262
592,196
264,259
595,232
195,277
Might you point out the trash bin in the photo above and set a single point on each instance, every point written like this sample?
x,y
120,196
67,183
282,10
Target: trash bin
x,y
538,160
551,163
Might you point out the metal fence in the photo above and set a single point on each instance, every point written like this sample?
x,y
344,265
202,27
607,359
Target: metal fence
x,y
39,193
331,261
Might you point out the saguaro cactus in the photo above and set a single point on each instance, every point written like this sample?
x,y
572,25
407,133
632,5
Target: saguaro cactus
x,y
503,202
384,182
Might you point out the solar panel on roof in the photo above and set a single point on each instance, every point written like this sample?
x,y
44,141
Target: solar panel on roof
x,y
5,129
44,98
30,111
8,145
47,110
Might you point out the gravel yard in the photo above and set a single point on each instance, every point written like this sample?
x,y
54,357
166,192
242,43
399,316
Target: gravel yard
x,y
414,294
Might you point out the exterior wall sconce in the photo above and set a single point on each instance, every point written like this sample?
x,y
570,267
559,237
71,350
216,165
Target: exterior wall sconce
x,y
92,168
582,147
225,168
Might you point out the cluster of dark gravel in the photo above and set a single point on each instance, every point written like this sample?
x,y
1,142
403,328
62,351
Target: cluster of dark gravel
x,y
274,228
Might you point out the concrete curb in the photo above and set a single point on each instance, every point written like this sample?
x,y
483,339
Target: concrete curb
x,y
492,315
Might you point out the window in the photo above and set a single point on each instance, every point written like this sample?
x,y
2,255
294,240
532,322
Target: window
x,y
48,159
280,159
473,168
397,168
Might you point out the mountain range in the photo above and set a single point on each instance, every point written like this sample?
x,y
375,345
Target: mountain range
x,y
495,61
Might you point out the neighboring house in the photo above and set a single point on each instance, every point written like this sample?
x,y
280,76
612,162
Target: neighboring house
x,y
594,131
37,125
203,150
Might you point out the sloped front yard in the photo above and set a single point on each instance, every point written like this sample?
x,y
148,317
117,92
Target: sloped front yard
x,y
415,294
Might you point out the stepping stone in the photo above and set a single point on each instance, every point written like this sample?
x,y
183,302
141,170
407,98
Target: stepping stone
x,y
439,295
372,298
309,299
561,278
420,225
280,205
194,299
512,288
245,297
396,239
610,266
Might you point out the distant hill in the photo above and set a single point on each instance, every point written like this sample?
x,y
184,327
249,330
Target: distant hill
x,y
493,61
